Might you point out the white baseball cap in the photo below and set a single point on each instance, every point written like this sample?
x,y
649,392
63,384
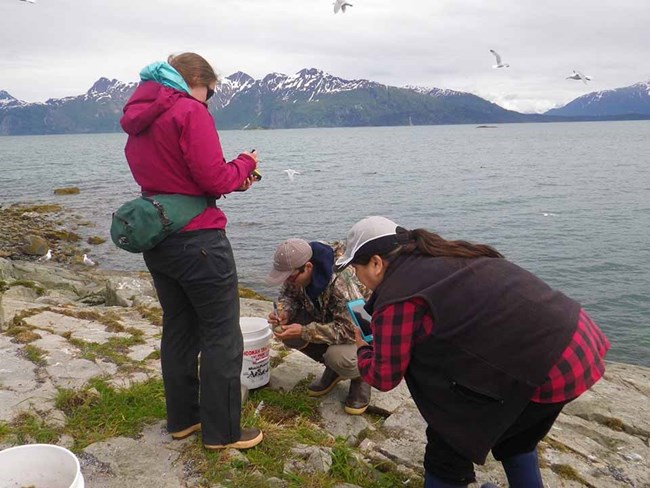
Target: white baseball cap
x,y
372,235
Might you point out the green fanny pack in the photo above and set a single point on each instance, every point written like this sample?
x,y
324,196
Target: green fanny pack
x,y
140,224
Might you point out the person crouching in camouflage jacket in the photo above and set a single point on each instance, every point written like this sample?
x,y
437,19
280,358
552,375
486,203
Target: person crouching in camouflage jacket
x,y
312,315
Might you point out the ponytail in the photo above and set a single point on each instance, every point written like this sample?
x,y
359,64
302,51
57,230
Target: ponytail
x,y
432,244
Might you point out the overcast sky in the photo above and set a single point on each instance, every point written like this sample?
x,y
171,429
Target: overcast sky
x,y
58,48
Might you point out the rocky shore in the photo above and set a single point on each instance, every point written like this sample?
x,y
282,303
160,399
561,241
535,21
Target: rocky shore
x,y
79,367
75,333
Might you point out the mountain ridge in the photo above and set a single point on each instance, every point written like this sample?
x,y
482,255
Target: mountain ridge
x,y
627,100
307,98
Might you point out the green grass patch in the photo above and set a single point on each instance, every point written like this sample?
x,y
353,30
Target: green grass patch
x,y
40,291
101,412
35,354
27,428
5,430
153,315
110,319
568,473
613,423
19,318
557,445
154,355
22,334
278,359
280,406
114,350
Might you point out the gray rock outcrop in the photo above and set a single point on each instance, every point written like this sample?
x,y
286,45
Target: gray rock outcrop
x,y
600,440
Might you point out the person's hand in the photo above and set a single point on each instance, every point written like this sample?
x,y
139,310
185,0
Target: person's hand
x,y
358,339
274,320
252,154
248,182
284,332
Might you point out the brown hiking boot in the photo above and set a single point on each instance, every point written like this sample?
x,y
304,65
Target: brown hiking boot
x,y
182,434
324,384
249,438
358,397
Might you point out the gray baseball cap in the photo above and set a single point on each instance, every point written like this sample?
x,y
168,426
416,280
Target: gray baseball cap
x,y
367,236
289,256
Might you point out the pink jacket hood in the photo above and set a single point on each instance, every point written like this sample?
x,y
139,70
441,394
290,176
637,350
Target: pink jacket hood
x,y
148,102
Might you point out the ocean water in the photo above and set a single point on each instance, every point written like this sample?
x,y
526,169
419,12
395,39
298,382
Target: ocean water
x,y
570,202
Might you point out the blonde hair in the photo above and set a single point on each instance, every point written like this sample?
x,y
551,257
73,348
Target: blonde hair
x,y
194,69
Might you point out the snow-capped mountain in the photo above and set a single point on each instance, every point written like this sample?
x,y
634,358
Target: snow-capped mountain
x,y
313,98
634,99
308,98
7,101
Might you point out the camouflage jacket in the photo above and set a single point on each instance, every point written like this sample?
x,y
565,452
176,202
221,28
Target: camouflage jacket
x,y
332,323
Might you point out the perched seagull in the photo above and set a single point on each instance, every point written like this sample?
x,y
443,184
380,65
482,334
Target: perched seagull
x,y
88,261
47,256
341,5
579,76
499,64
290,173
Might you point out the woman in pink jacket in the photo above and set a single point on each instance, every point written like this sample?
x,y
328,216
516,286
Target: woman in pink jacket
x,y
173,148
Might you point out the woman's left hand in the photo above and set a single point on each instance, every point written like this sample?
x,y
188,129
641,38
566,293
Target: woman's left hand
x,y
358,339
293,331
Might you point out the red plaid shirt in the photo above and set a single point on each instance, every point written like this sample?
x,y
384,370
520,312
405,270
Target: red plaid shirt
x,y
397,326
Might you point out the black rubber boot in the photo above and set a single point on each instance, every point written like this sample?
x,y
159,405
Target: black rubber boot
x,y
324,384
358,397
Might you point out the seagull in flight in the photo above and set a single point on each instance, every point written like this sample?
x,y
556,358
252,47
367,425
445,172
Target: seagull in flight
x,y
579,76
28,1
291,173
341,5
88,261
500,63
47,256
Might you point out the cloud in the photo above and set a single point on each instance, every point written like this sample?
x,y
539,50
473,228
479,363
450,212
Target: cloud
x,y
55,49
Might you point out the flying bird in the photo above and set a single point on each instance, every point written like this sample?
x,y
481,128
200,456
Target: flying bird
x,y
88,261
579,76
500,63
291,173
341,5
28,1
48,255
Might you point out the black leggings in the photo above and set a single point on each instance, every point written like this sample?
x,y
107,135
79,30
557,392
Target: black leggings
x,y
195,276
521,437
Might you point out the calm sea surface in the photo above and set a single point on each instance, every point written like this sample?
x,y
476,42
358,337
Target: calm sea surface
x,y
569,202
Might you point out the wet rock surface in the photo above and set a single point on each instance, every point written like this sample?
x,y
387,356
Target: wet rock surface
x,y
600,440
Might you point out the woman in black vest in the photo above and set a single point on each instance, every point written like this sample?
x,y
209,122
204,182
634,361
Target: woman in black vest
x,y
490,353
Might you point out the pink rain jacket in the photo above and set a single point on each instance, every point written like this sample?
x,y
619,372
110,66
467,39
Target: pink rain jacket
x,y
173,147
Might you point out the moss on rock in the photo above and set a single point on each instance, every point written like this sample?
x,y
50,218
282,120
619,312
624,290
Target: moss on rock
x,y
71,190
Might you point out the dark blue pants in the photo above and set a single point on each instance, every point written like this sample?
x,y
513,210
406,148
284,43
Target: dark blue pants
x,y
196,280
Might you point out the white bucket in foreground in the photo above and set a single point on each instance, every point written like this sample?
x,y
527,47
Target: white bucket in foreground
x,y
255,371
40,466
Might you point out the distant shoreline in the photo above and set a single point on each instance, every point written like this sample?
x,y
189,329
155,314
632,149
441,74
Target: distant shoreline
x,y
545,119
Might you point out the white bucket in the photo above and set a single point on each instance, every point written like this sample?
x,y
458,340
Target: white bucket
x,y
40,466
255,371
